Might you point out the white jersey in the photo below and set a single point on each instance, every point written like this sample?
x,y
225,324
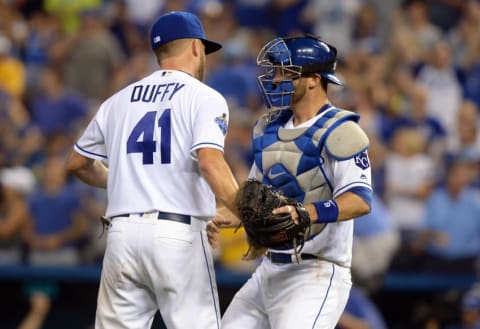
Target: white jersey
x,y
148,134
334,242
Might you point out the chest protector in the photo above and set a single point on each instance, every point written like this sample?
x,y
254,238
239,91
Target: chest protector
x,y
292,160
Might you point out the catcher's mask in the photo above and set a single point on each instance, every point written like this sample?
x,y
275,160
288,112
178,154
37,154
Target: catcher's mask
x,y
287,59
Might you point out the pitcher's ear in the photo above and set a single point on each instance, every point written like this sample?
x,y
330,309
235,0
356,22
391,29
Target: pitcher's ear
x,y
197,47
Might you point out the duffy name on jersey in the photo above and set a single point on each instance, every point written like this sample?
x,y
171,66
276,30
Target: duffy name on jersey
x,y
149,93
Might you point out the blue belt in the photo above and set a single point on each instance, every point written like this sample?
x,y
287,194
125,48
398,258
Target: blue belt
x,y
281,258
185,219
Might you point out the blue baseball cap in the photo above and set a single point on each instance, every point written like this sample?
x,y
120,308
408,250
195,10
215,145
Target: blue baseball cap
x,y
179,25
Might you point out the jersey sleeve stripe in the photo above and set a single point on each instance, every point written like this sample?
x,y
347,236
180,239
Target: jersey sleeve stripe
x,y
200,145
88,153
345,188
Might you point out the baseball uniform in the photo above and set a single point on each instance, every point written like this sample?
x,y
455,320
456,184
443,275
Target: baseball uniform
x,y
157,255
312,294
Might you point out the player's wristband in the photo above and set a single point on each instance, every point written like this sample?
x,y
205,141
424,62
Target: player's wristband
x,y
327,211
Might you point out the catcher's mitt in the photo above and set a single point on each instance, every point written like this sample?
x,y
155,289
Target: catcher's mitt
x,y
255,202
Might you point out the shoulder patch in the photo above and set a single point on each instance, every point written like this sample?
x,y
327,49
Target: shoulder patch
x,y
361,160
221,122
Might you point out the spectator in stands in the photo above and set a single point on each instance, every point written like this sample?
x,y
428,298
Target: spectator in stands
x,y
363,103
413,33
286,15
464,37
128,33
464,40
21,141
446,14
12,70
235,78
409,179
472,81
365,38
369,261
466,140
91,52
15,184
416,116
143,15
253,14
333,20
57,109
386,11
69,11
449,240
56,223
13,25
444,91
54,229
44,31
471,65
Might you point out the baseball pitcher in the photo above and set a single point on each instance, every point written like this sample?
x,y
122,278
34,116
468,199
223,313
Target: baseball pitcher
x,y
162,139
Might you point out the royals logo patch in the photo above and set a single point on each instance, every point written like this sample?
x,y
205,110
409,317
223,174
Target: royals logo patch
x,y
361,160
221,121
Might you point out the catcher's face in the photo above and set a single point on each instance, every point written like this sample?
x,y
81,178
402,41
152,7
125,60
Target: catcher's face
x,y
285,73
299,83
277,82
300,90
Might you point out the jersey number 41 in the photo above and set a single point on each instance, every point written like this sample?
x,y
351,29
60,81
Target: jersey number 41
x,y
147,145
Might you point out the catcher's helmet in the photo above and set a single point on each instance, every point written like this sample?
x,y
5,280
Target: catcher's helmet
x,y
294,57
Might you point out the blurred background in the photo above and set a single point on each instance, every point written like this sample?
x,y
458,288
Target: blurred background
x,y
412,71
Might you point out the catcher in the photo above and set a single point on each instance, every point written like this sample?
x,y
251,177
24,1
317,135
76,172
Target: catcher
x,y
316,155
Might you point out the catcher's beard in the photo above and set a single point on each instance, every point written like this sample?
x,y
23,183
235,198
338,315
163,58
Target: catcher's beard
x,y
300,90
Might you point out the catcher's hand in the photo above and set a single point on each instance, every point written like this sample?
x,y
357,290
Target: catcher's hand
x,y
265,229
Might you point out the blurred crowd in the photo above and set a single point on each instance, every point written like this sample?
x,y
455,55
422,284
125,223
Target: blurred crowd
x,y
412,71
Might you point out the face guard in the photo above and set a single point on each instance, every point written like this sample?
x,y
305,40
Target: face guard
x,y
287,59
277,84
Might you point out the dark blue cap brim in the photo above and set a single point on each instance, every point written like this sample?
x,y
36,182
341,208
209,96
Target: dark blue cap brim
x,y
211,46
